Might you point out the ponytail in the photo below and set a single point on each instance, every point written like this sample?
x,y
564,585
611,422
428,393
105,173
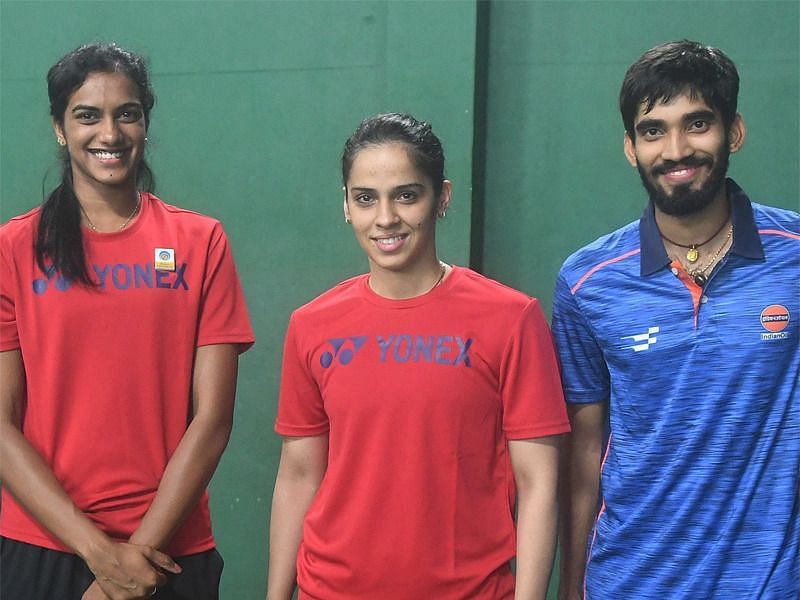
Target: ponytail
x,y
59,237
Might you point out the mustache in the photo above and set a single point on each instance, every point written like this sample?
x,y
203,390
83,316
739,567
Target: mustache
x,y
688,162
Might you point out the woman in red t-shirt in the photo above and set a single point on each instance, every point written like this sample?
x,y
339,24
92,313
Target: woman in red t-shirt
x,y
418,403
117,371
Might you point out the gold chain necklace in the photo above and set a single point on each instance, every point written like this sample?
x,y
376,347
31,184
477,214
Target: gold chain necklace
x,y
692,254
442,273
124,225
699,274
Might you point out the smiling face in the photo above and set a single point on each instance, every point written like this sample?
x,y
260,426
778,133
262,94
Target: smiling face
x,y
681,152
104,129
393,210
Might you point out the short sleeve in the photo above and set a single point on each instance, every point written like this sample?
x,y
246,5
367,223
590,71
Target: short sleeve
x,y
223,312
9,336
301,411
533,403
584,373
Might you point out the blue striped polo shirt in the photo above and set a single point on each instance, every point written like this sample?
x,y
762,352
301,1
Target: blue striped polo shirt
x,y
700,479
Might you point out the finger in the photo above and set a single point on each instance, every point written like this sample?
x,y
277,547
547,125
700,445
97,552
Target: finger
x,y
88,594
160,559
94,593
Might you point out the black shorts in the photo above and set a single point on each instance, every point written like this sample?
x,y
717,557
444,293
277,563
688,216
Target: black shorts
x,y
30,572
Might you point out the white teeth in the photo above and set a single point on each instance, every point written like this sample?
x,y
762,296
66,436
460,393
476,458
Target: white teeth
x,y
391,240
107,155
680,172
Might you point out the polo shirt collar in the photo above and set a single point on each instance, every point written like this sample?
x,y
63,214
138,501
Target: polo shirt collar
x,y
746,241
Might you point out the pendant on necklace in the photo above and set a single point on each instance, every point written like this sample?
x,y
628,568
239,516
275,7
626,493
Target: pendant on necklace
x,y
692,254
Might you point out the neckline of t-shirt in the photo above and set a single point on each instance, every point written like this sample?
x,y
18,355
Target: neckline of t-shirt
x,y
113,236
443,288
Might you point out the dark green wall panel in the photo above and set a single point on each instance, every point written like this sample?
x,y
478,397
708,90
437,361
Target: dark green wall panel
x,y
556,177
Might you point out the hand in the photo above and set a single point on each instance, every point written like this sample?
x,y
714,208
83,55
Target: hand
x,y
126,571
94,592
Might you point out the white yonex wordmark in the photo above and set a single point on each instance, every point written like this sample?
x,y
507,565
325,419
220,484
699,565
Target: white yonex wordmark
x,y
646,340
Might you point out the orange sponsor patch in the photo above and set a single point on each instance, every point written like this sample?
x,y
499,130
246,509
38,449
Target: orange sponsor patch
x,y
775,318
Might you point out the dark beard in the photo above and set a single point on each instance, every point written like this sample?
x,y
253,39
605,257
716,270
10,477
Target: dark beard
x,y
685,201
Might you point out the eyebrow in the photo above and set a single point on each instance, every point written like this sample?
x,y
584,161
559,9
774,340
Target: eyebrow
x,y
131,104
645,124
706,115
403,186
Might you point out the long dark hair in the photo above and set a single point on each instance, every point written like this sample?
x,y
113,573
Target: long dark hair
x,y
59,238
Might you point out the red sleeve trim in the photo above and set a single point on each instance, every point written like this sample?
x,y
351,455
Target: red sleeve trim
x,y
302,430
596,268
537,432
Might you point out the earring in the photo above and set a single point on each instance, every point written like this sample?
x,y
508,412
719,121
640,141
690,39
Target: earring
x,y
347,220
62,141
443,214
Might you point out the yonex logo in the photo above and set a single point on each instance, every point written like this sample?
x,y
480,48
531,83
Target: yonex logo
x,y
344,355
120,276
40,285
401,348
645,340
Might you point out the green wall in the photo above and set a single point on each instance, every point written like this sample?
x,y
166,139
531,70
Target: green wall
x,y
254,102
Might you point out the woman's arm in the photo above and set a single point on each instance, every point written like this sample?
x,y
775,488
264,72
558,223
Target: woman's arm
x,y
535,465
193,463
580,485
123,570
302,467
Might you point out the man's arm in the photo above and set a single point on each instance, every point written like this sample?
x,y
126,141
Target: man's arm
x,y
535,466
302,467
579,492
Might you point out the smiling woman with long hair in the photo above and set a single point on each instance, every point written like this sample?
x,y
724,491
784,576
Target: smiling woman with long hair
x,y
121,322
419,403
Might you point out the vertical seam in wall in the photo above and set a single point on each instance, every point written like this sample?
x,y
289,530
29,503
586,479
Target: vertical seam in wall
x,y
483,9
384,57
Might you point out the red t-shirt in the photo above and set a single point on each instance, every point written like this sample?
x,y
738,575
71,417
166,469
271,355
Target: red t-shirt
x,y
109,369
420,398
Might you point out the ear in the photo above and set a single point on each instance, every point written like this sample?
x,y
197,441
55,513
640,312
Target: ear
x,y
444,198
630,150
59,131
737,133
345,208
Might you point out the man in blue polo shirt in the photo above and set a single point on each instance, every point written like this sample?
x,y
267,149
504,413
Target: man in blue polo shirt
x,y
678,340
